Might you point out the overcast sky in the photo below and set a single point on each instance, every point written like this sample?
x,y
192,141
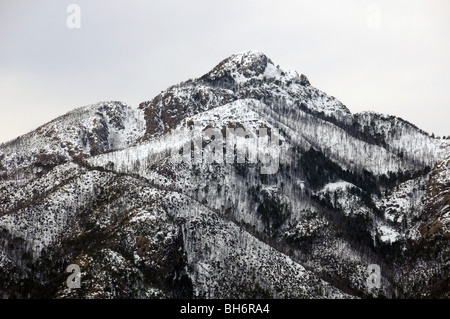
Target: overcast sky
x,y
384,56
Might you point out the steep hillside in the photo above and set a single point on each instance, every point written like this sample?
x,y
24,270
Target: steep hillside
x,y
246,182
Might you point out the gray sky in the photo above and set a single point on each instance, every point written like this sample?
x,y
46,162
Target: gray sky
x,y
385,56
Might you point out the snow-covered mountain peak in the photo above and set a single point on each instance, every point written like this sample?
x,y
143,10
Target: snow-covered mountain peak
x,y
243,66
103,187
249,74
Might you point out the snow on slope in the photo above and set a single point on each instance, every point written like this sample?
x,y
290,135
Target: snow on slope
x,y
241,112
86,131
232,230
212,243
404,138
253,67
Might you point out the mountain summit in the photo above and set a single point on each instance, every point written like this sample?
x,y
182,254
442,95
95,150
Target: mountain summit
x,y
103,188
247,75
242,67
246,65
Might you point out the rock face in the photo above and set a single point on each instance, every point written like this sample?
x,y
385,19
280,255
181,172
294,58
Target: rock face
x,y
103,187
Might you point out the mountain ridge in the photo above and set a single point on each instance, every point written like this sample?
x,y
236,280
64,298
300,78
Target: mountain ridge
x,y
100,187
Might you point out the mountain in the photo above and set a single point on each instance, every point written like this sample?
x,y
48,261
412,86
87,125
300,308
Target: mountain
x,y
247,182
